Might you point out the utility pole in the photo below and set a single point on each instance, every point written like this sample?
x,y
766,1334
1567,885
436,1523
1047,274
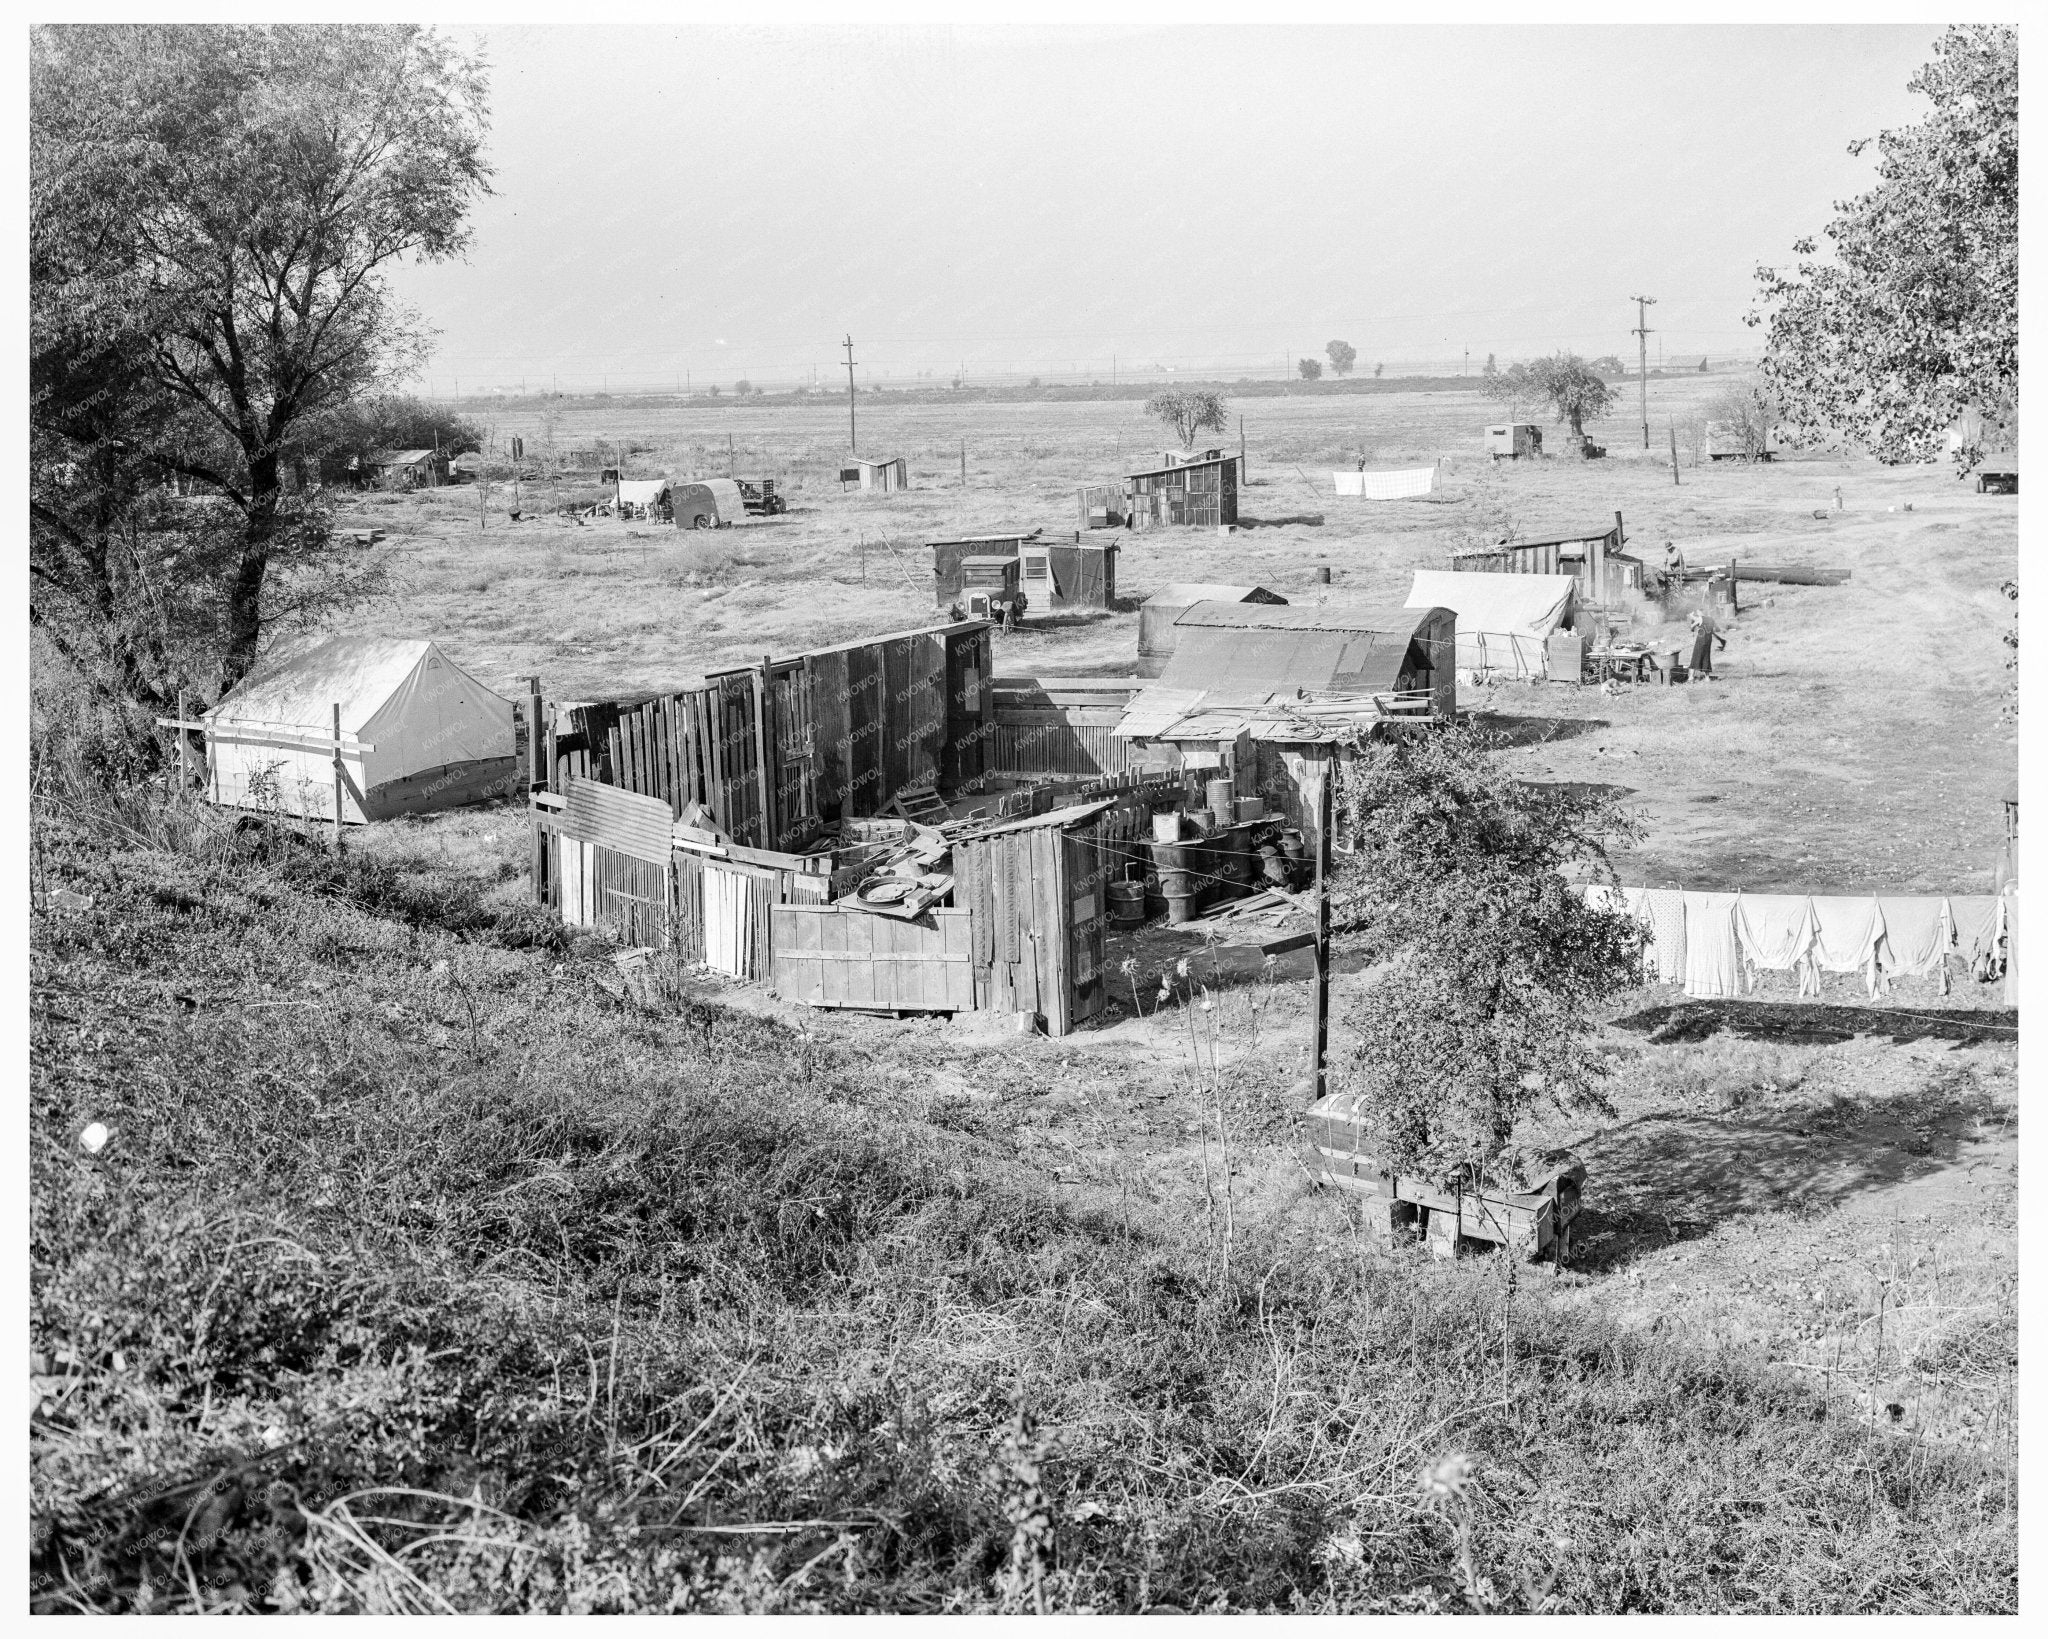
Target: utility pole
x,y
1642,333
852,428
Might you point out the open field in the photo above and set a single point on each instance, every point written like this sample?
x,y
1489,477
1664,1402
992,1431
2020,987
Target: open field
x,y
1786,774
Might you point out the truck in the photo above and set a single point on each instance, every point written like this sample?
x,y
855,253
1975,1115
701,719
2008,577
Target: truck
x,y
760,497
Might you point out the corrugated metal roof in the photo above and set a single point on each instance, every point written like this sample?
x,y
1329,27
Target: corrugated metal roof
x,y
1184,466
399,458
624,821
1184,593
1387,618
1555,535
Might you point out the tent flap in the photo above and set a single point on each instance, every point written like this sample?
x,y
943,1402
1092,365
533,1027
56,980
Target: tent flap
x,y
1503,620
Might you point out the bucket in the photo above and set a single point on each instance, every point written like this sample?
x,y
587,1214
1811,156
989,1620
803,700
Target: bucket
x,y
1127,903
1222,794
1166,826
1679,674
1250,808
1323,574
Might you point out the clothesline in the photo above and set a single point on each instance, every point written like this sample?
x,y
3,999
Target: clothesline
x,y
1705,941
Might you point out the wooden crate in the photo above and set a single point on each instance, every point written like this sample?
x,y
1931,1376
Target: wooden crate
x,y
829,956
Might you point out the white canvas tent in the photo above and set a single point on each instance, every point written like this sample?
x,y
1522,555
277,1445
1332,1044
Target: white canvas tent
x,y
418,732
1503,620
642,497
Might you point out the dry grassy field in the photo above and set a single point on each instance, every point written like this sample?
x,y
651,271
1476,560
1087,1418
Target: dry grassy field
x,y
1853,741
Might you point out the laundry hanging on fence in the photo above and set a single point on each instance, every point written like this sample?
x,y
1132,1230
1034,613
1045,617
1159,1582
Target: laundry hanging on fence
x,y
1387,486
1846,935
1713,958
1915,939
1776,930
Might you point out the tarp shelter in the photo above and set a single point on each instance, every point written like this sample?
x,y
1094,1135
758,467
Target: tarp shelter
x,y
643,497
1504,621
1157,614
418,732
706,503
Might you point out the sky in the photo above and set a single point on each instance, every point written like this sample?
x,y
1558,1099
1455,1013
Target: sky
x,y
696,205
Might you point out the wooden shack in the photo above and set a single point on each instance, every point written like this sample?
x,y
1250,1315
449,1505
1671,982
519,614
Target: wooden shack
x,y
1514,440
947,556
1591,553
408,469
877,477
1200,494
1157,614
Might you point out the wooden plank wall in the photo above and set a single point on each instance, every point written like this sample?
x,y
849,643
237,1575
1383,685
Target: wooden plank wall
x,y
845,731
828,956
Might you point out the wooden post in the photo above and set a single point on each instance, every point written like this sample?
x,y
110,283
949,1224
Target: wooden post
x,y
1674,450
337,777
184,770
963,463
536,766
769,837
731,457
1240,449
1325,808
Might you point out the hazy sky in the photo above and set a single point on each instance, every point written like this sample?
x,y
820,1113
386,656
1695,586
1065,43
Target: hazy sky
x,y
731,202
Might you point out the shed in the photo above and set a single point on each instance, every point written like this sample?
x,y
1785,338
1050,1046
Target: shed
x,y
1157,614
877,476
1200,493
705,503
1999,476
1590,552
1102,506
645,498
1503,621
408,469
1512,440
1054,575
1037,891
418,732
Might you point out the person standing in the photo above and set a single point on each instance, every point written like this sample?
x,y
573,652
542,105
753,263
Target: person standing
x,y
1706,637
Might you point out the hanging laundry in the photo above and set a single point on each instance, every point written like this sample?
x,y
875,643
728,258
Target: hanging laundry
x,y
1666,910
1776,930
1978,923
1916,938
1636,901
1846,935
1713,964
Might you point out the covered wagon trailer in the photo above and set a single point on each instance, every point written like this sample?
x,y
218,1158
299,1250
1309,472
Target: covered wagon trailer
x,y
706,503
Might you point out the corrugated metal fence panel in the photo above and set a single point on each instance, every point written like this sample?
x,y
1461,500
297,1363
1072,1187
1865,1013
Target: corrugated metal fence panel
x,y
618,820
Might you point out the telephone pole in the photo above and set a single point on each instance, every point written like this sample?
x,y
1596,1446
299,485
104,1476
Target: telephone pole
x,y
1642,334
852,426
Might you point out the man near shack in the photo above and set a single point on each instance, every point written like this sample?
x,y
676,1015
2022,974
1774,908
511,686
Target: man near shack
x,y
1706,636
1674,566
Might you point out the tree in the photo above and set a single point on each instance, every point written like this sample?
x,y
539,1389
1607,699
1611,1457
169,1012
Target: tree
x,y
1915,318
391,421
1494,966
1610,365
1342,356
1489,368
1574,389
741,389
212,210
1310,370
1509,386
1744,413
1189,411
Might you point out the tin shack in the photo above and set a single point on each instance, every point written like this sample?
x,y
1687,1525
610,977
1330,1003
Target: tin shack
x,y
1200,494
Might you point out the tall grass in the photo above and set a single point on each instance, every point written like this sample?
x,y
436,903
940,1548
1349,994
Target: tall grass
x,y
423,1270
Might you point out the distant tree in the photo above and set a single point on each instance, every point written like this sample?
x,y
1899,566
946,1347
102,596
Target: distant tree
x,y
354,432
1378,370
1610,365
1489,368
1310,369
714,389
742,388
1342,356
1509,387
1916,317
1189,411
1744,413
1574,389
212,213
1486,1007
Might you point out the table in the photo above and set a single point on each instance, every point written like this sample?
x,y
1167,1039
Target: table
x,y
1621,660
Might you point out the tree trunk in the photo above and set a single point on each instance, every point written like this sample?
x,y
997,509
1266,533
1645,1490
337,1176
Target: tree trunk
x,y
245,601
